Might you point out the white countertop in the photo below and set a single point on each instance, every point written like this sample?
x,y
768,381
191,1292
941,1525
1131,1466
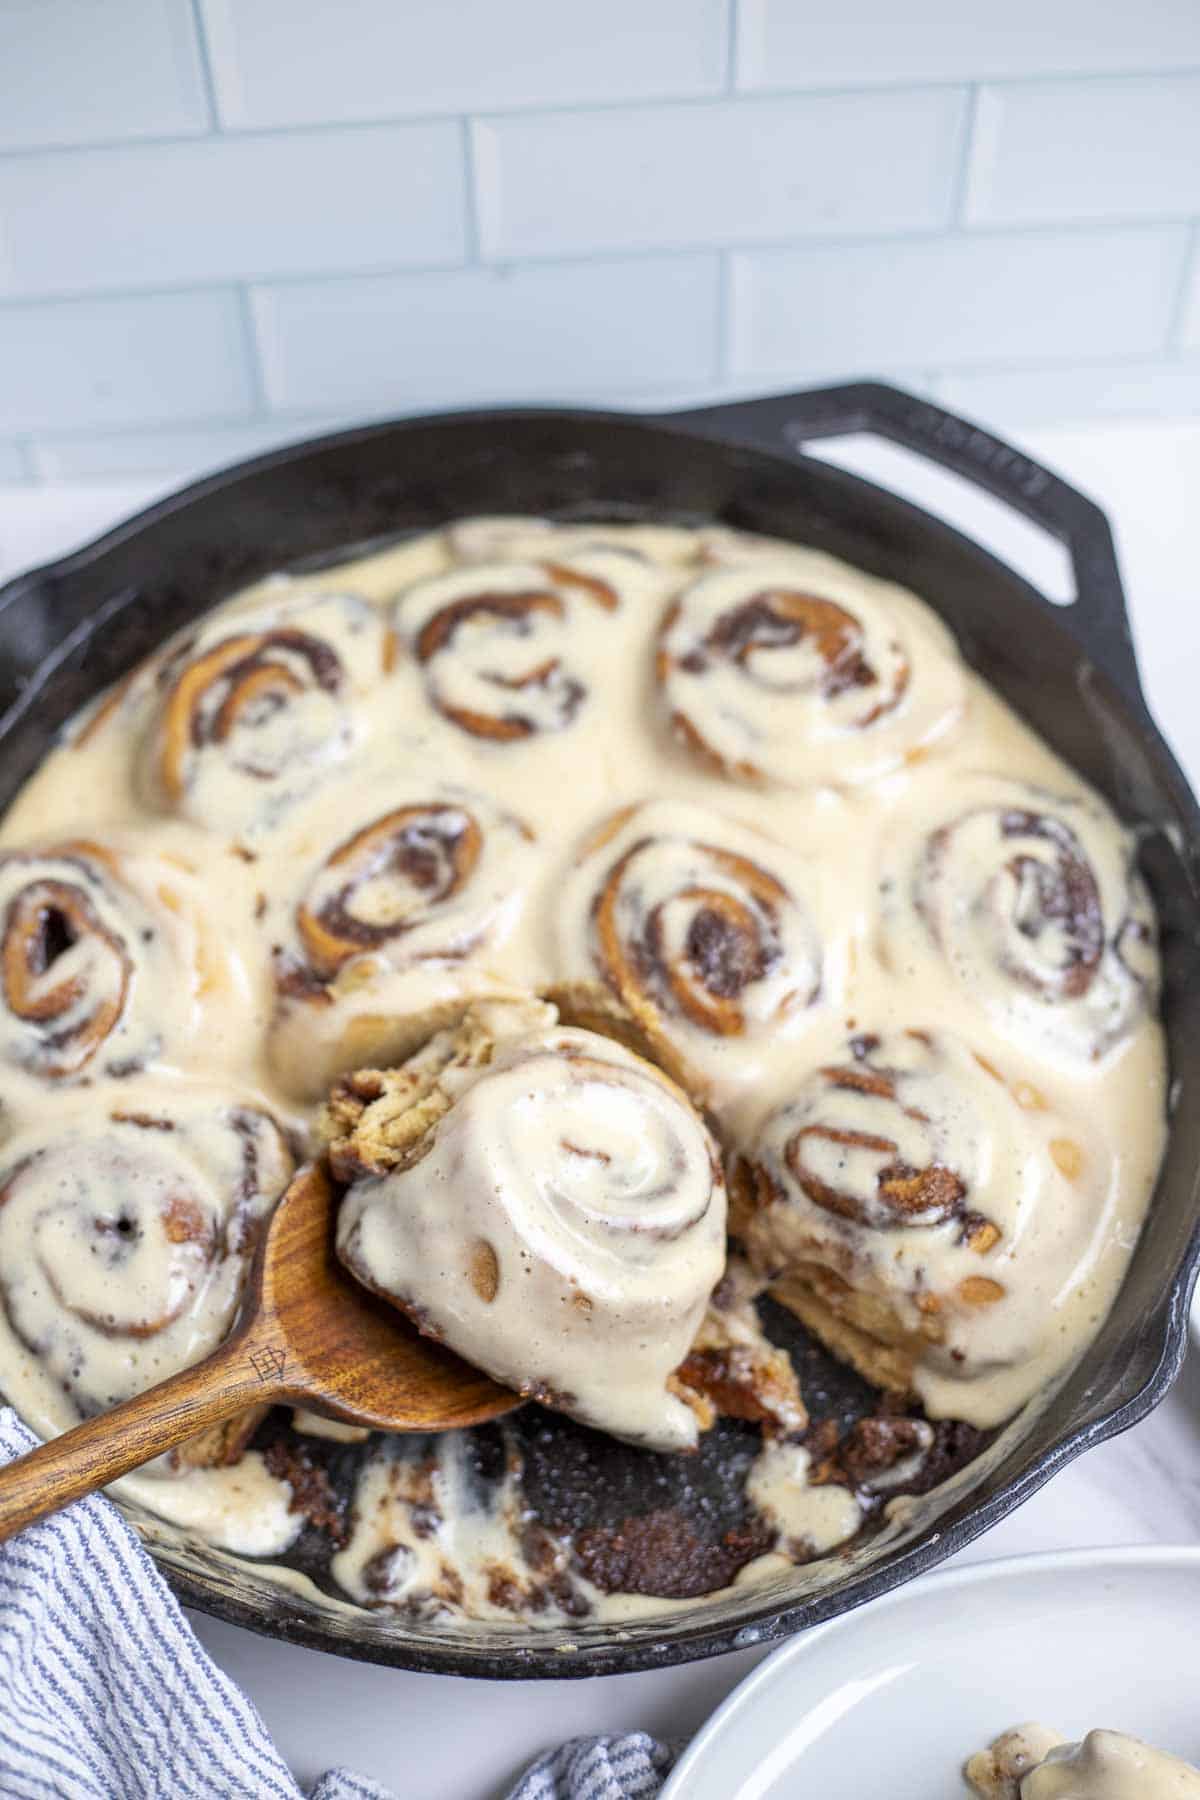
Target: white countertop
x,y
433,1738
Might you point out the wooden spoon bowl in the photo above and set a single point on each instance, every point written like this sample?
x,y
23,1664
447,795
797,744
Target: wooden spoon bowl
x,y
307,1335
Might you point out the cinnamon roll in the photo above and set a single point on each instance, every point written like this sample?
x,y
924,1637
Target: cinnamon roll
x,y
1032,1762
792,668
256,708
547,1204
1032,902
505,648
125,1236
102,960
513,538
697,934
395,932
923,1221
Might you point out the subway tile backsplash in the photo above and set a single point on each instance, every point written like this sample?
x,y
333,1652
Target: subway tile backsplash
x,y
1009,295
224,223
279,203
729,172
139,360
99,71
790,43
1121,149
489,333
286,62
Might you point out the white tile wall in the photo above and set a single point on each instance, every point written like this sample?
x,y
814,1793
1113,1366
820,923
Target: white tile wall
x,y
1190,320
141,360
278,204
728,173
784,43
90,71
951,300
283,62
1041,395
93,456
1126,148
489,333
223,222
14,466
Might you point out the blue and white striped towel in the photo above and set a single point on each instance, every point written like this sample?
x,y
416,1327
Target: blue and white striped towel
x,y
84,1614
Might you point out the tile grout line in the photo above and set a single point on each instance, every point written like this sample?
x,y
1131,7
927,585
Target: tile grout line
x,y
724,346
472,236
732,40
253,354
745,96
305,421
1128,228
32,469
968,143
208,79
1189,266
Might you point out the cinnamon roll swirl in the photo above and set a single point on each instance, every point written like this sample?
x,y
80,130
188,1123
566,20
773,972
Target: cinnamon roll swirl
x,y
697,934
101,960
1032,902
549,1205
256,708
395,931
505,648
927,1225
125,1236
794,669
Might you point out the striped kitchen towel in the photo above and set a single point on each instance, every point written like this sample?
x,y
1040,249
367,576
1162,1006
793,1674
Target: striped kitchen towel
x,y
84,1614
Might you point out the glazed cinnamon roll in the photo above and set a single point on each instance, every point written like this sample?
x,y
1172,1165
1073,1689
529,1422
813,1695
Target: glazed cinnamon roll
x,y
255,709
125,1236
1032,1762
101,960
922,1220
1032,902
547,1204
513,538
697,934
505,648
395,932
792,668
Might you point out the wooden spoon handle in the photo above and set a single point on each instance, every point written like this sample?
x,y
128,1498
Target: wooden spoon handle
x,y
92,1454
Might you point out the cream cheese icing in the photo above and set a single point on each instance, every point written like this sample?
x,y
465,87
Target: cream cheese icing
x,y
389,784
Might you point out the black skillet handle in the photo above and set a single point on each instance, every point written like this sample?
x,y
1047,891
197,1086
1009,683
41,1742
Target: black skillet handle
x,y
778,422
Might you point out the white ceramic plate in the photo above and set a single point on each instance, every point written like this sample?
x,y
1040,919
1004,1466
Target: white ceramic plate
x,y
891,1699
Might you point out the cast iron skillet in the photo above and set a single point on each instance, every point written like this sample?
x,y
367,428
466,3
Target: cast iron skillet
x,y
69,628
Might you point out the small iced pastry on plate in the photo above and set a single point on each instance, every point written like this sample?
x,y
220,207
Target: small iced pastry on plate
x,y
544,1202
926,1225
1032,1762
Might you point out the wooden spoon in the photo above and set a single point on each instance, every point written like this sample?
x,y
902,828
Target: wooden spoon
x,y
307,1334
